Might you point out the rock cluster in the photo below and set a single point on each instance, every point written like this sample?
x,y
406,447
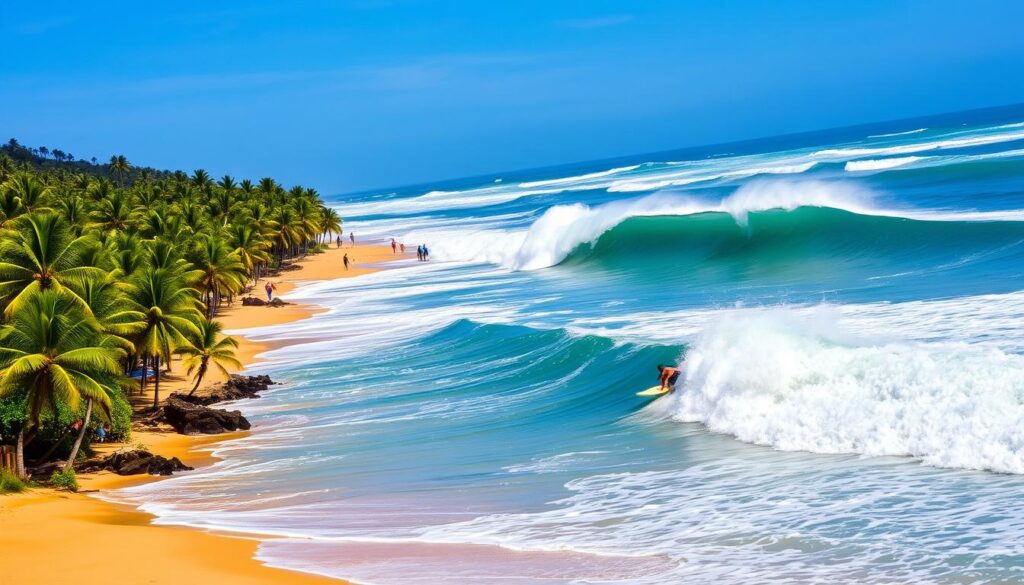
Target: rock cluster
x,y
134,462
236,388
258,302
191,419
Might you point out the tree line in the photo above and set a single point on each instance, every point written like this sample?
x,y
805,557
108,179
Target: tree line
x,y
105,281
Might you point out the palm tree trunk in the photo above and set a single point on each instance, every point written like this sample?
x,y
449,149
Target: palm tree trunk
x,y
81,434
156,384
145,364
19,455
200,374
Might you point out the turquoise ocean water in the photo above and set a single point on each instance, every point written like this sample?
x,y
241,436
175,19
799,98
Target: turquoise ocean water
x,y
848,307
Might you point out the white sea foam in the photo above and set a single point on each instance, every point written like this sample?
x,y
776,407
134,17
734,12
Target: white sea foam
x,y
578,178
916,131
804,383
881,164
963,142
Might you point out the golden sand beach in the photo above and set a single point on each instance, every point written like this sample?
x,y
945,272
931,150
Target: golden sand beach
x,y
57,536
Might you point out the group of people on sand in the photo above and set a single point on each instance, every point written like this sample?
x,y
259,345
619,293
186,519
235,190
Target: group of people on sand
x,y
422,253
351,239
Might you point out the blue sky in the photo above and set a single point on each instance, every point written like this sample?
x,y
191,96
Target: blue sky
x,y
357,94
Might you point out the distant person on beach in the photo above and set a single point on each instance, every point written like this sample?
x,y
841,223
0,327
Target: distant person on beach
x,y
346,261
352,238
394,246
426,253
102,433
419,253
337,243
270,288
402,246
668,376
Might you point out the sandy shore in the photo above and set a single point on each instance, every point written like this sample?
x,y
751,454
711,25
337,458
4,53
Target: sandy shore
x,y
55,536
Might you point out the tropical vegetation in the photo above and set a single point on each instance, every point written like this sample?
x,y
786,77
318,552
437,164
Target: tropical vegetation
x,y
110,273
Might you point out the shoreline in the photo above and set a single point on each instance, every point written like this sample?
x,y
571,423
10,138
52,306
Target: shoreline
x,y
54,532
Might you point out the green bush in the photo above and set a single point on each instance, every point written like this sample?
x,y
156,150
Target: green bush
x,y
10,483
64,480
121,425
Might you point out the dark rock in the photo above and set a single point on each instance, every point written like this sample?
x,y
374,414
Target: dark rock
x,y
236,388
134,462
277,303
191,419
253,302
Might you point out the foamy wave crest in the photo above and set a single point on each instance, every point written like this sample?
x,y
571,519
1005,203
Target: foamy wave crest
x,y
576,179
881,164
563,228
804,384
678,179
916,131
963,142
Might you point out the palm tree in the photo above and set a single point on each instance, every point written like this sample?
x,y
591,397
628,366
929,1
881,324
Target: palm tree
x,y
120,166
116,212
202,180
308,219
53,352
288,232
170,311
74,211
221,270
207,347
28,190
41,254
251,247
330,222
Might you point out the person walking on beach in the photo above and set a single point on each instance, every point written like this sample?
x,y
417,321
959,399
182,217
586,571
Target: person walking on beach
x,y
337,242
346,261
426,253
352,238
394,246
419,253
402,246
270,288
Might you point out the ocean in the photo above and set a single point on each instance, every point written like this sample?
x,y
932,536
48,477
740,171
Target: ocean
x,y
847,306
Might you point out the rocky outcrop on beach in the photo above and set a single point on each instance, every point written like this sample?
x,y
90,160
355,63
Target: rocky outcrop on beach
x,y
134,462
236,388
193,419
258,302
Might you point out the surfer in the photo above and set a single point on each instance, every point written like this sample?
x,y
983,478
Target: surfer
x,y
668,376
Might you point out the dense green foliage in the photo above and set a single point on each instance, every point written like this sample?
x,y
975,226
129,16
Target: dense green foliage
x,y
64,479
107,274
10,483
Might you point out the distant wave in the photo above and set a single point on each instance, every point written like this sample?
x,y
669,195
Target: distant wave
x,y
922,146
804,384
880,164
689,177
918,130
578,178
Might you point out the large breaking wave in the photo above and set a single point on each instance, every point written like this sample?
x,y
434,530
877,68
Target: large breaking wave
x,y
803,383
808,217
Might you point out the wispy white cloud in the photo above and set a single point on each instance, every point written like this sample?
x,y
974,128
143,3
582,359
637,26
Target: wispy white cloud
x,y
597,22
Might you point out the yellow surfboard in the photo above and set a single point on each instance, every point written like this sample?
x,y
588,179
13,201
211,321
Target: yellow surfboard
x,y
653,391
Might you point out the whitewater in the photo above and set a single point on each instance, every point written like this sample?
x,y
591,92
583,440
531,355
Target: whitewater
x,y
846,306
